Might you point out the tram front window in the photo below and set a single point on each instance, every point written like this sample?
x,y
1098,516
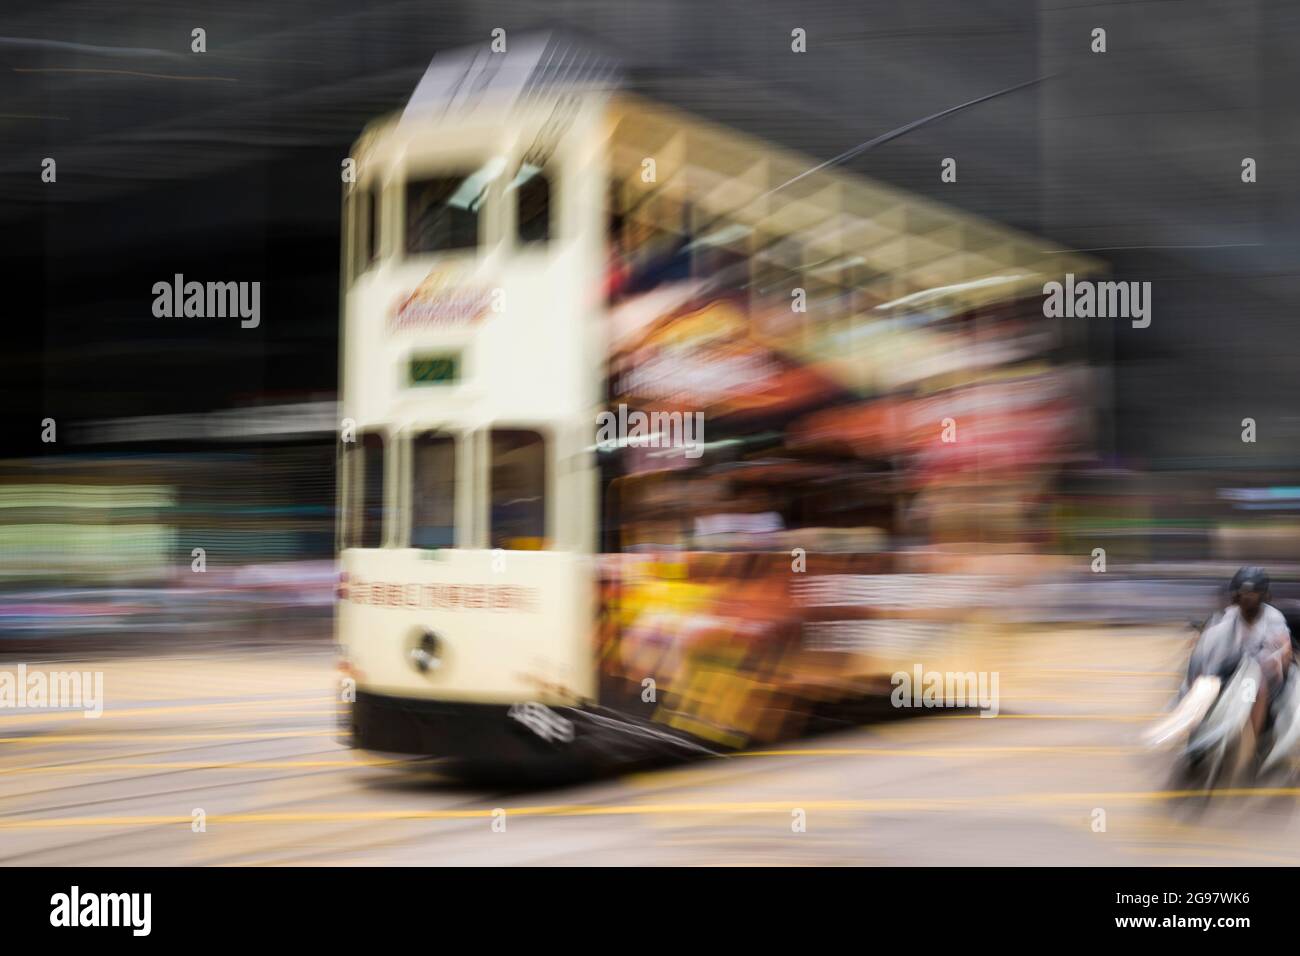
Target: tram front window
x,y
518,490
531,188
433,491
442,211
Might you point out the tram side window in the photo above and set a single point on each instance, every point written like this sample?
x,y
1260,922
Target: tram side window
x,y
365,525
518,490
531,190
442,212
365,216
433,491
374,199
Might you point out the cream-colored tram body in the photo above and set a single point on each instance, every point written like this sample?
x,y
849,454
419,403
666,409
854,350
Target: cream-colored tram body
x,y
470,366
525,248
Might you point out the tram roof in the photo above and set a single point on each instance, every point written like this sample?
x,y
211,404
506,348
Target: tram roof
x,y
828,223
830,219
533,67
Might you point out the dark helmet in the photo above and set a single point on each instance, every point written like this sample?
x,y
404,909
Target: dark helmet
x,y
1252,578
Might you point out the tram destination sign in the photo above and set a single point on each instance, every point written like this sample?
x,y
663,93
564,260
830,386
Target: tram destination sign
x,y
442,368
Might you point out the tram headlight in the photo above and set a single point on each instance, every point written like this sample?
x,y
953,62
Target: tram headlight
x,y
426,655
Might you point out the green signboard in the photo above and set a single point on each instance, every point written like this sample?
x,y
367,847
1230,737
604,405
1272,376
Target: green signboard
x,y
441,369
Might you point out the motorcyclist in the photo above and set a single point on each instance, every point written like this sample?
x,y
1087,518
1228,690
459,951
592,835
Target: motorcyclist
x,y
1249,628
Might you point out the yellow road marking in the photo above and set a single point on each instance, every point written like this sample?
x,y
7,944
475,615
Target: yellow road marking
x,y
202,765
1225,854
95,738
884,805
109,712
938,752
1098,672
1120,717
1133,697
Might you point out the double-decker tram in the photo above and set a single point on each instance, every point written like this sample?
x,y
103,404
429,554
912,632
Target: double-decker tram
x,y
643,421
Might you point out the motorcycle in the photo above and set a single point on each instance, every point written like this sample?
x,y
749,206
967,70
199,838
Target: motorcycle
x,y
1210,726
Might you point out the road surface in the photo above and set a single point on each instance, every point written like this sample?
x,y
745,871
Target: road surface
x,y
224,756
